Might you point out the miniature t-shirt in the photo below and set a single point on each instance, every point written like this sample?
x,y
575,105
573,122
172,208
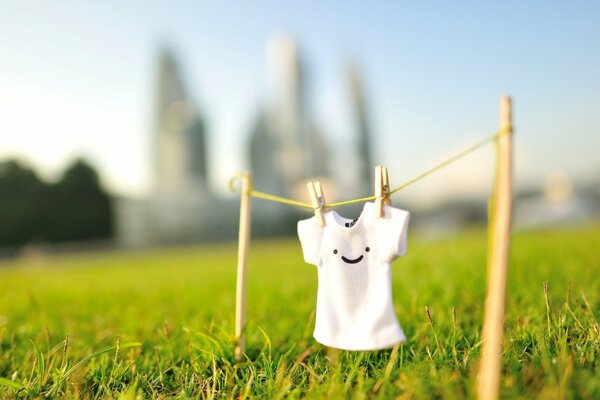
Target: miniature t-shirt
x,y
354,298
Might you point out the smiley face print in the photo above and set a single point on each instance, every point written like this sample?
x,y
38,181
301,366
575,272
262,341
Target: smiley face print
x,y
352,260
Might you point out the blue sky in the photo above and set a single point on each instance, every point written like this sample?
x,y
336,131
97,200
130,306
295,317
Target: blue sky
x,y
78,78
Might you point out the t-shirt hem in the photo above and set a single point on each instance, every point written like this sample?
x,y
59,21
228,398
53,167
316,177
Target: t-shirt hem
x,y
380,345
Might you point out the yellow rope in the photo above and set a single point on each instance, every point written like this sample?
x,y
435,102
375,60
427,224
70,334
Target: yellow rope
x,y
450,160
283,200
461,154
353,201
237,176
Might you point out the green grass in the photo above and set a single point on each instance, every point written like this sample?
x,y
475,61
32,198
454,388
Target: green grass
x,y
178,303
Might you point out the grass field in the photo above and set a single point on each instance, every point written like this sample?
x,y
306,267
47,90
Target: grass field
x,y
178,305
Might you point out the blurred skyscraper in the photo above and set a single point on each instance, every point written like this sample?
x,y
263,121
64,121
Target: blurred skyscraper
x,y
181,207
285,146
361,126
180,143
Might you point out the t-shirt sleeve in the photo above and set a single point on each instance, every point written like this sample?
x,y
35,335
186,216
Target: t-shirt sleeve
x,y
310,234
394,231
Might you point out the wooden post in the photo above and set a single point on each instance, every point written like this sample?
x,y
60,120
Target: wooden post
x,y
490,366
243,245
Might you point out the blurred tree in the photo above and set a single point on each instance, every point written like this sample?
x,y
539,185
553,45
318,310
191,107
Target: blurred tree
x,y
74,208
20,191
77,207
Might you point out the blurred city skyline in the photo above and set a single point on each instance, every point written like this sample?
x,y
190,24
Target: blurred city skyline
x,y
78,79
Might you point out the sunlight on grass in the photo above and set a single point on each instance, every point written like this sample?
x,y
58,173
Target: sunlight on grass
x,y
178,303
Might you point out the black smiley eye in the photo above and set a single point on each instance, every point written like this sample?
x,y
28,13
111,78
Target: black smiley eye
x,y
368,249
335,251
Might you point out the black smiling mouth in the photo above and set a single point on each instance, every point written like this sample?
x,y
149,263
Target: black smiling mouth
x,y
349,261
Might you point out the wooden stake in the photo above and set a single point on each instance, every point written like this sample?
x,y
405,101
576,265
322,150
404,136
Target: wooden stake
x,y
490,367
243,245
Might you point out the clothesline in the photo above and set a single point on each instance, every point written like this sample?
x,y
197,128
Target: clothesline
x,y
450,160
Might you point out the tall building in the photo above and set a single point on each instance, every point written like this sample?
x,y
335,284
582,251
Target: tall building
x,y
180,207
361,126
180,143
285,146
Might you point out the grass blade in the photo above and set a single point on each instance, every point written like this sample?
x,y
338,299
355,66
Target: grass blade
x,y
11,384
41,368
96,354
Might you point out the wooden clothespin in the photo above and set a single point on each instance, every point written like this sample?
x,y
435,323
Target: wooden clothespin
x,y
382,190
317,199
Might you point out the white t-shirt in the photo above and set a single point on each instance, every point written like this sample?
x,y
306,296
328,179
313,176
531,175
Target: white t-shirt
x,y
354,300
